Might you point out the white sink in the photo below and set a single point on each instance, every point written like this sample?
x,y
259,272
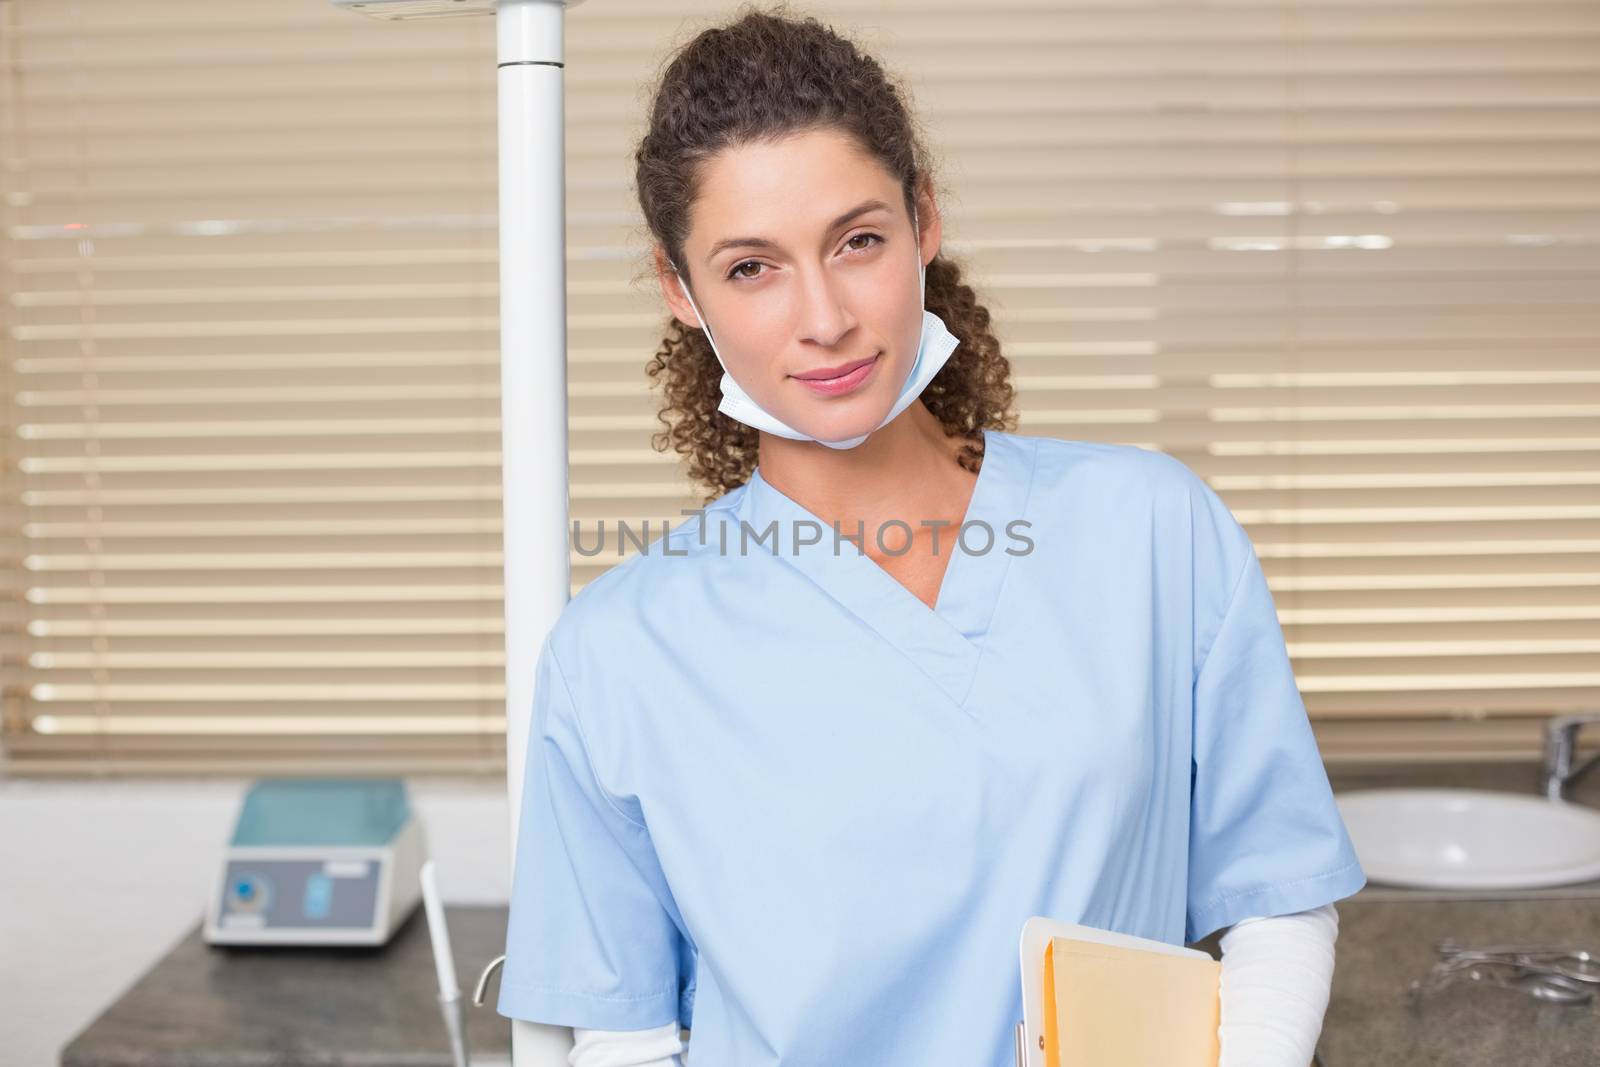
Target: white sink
x,y
1470,838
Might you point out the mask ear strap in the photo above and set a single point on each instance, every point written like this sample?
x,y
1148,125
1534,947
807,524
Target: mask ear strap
x,y
712,341
922,270
683,286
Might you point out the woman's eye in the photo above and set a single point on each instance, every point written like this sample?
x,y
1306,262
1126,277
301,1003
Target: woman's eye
x,y
738,267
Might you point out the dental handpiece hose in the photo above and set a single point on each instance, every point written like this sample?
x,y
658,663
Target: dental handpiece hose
x,y
444,963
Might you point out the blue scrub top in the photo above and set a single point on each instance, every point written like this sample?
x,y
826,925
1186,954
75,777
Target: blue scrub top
x,y
772,795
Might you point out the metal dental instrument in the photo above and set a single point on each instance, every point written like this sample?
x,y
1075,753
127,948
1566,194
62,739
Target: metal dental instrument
x,y
1551,988
1548,973
1577,964
1572,963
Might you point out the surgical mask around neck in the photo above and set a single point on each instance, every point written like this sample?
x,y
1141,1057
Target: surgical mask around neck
x,y
934,348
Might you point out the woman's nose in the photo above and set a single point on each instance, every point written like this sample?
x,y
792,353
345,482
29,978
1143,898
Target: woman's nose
x,y
824,318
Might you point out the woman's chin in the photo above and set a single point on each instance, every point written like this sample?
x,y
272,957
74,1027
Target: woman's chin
x,y
842,429
834,425
838,420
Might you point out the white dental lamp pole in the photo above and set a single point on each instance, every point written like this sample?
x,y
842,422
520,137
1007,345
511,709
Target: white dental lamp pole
x,y
533,371
533,389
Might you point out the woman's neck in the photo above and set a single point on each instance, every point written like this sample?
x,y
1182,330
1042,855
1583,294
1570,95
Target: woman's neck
x,y
906,470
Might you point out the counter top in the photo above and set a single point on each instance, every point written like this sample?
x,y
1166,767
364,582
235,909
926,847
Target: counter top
x,y
254,1007
1384,944
279,1006
1387,936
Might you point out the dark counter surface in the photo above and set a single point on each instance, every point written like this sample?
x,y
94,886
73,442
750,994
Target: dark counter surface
x,y
1387,937
1384,944
282,1007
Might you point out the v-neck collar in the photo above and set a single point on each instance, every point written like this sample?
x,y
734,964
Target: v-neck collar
x,y
945,641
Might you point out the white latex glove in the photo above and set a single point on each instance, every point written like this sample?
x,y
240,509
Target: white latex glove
x,y
657,1047
1277,973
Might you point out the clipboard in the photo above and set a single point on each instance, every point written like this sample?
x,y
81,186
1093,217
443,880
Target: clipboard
x,y
1036,934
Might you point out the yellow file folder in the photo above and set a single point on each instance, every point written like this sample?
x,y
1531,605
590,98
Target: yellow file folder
x,y
1095,998
1111,1005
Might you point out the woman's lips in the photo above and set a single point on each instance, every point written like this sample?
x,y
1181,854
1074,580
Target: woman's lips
x,y
842,384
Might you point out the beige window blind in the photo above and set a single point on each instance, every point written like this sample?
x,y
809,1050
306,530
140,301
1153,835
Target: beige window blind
x,y
1341,259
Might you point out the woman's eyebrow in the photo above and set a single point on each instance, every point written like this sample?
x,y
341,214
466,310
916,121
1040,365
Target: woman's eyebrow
x,y
762,242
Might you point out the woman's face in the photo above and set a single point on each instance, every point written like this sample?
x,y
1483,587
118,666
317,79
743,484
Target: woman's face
x,y
802,258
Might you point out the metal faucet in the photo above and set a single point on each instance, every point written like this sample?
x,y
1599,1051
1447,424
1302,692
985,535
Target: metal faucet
x,y
1560,750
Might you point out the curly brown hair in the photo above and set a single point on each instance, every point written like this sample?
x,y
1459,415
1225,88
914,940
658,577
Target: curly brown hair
x,y
764,75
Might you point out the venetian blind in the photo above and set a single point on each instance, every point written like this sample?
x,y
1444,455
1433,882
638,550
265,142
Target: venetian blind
x,y
1340,258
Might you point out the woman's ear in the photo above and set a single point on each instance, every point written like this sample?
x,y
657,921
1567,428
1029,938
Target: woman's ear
x,y
929,221
677,303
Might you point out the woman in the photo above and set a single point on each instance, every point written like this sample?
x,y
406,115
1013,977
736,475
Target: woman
x,y
807,791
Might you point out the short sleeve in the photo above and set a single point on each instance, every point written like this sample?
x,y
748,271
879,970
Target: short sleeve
x,y
589,942
1265,835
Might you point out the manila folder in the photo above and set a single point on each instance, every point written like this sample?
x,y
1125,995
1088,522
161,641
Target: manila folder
x,y
1110,1006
